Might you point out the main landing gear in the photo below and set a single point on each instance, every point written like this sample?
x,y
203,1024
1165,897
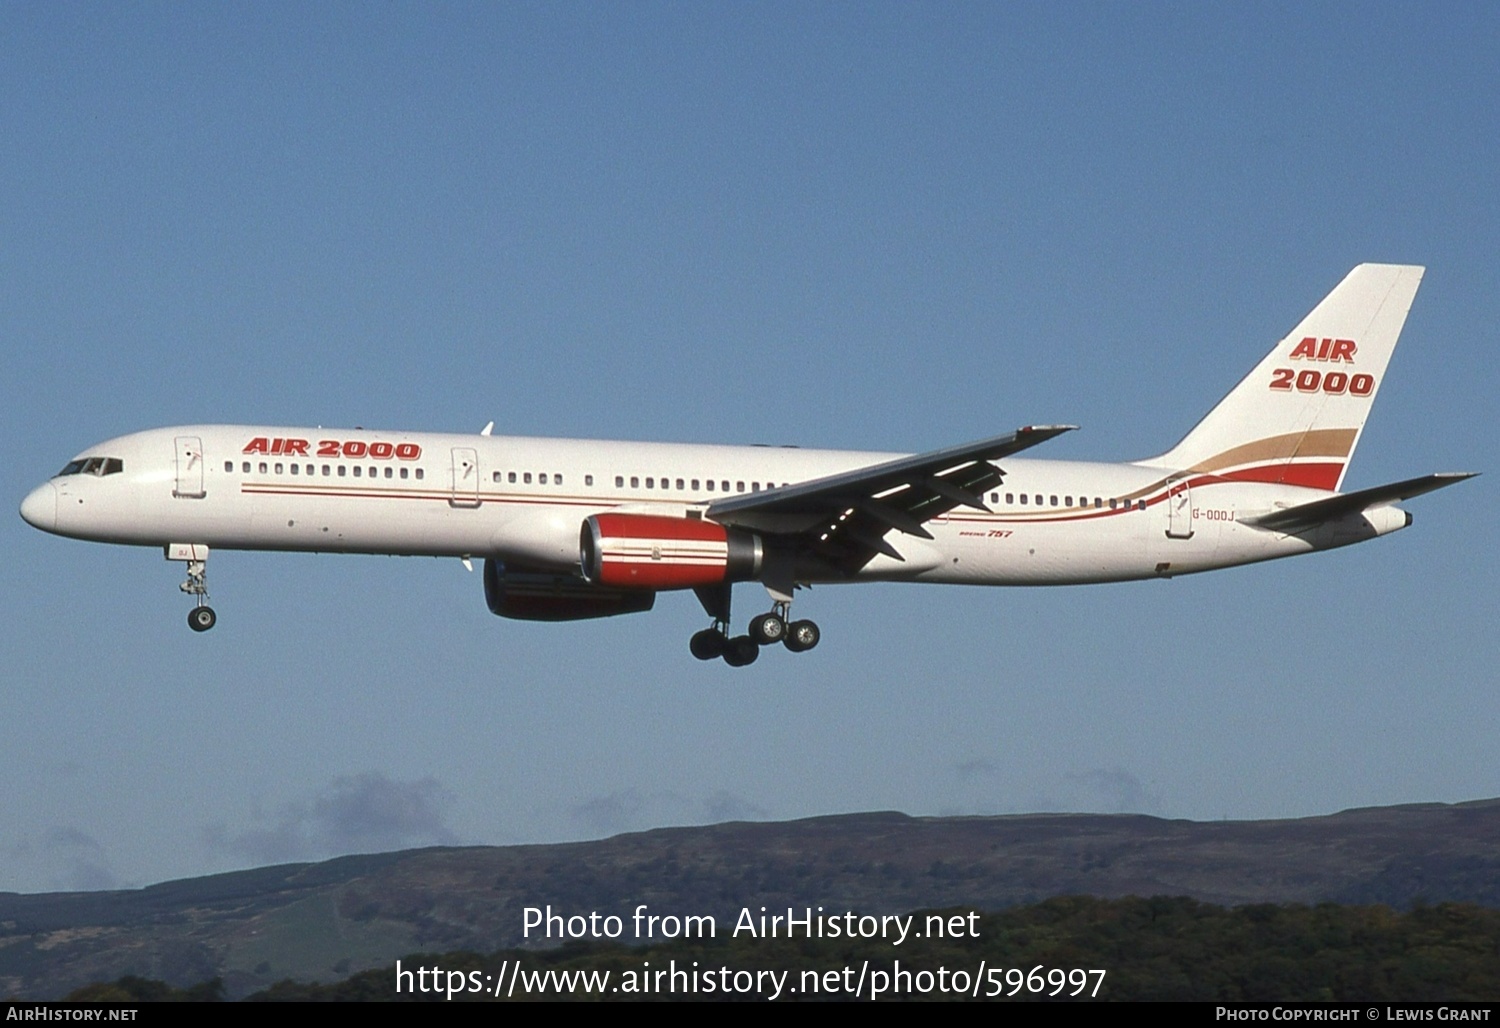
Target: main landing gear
x,y
765,630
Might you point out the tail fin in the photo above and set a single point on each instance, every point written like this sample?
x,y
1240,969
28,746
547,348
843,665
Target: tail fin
x,y
1297,417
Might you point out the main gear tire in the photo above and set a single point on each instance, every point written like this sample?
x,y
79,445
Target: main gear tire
x,y
802,636
767,629
707,644
740,651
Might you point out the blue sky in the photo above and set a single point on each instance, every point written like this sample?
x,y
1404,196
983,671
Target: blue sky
x,y
875,226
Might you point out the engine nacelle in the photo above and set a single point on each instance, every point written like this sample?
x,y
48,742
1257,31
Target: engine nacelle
x,y
528,595
645,551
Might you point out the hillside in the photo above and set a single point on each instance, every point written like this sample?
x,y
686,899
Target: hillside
x,y
324,921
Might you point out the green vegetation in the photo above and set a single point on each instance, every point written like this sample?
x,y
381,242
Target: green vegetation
x,y
131,989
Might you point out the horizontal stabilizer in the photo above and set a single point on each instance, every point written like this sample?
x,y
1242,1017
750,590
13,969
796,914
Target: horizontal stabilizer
x,y
1310,515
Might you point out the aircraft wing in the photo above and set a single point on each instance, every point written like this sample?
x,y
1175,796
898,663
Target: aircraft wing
x,y
1310,515
844,518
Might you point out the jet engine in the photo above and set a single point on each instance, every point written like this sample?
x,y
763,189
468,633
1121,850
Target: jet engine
x,y
646,551
530,595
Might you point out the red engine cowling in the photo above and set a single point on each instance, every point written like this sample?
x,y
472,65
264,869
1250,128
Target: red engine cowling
x,y
529,595
644,551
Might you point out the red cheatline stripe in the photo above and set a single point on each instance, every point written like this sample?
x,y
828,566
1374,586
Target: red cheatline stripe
x,y
1316,476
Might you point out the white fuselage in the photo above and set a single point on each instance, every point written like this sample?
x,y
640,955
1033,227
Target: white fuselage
x,y
524,499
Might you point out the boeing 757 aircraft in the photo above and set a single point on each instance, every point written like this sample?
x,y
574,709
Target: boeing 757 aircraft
x,y
572,529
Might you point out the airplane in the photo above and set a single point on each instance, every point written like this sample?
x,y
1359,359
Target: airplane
x,y
575,529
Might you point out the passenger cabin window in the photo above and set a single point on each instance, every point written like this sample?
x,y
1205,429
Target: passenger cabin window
x,y
619,481
245,467
420,472
588,479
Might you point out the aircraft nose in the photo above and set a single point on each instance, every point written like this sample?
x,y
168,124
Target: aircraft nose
x,y
40,507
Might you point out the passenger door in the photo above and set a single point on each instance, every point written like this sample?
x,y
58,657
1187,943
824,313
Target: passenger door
x,y
189,483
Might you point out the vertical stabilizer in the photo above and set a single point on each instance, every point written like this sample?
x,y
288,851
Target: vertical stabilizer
x,y
1297,417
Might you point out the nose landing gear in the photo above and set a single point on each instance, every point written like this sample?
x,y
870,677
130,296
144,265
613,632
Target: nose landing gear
x,y
202,617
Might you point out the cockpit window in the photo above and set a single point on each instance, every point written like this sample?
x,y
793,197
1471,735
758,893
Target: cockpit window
x,y
100,466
